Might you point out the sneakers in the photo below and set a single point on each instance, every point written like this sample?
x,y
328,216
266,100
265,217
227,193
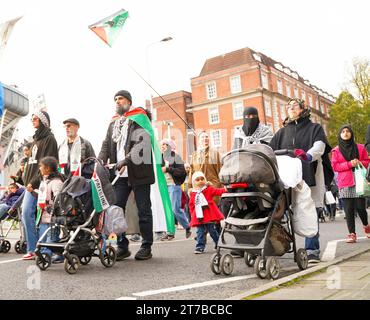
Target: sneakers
x,y
198,251
122,254
143,254
135,237
57,259
159,235
351,238
313,259
168,237
367,230
29,256
188,233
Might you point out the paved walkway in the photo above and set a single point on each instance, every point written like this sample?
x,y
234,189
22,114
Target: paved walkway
x,y
348,280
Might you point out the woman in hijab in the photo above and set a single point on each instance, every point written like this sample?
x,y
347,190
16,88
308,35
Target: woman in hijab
x,y
43,145
252,130
345,158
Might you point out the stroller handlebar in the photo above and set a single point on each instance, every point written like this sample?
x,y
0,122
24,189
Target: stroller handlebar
x,y
285,152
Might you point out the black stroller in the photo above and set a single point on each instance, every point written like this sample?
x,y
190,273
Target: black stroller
x,y
258,215
16,218
74,216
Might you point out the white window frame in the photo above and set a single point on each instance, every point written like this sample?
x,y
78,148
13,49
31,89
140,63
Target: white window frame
x,y
310,101
296,93
212,111
211,95
238,104
279,86
212,132
235,84
288,89
282,111
265,80
268,108
303,95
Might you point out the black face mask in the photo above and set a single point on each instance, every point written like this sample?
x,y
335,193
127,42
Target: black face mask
x,y
121,110
250,124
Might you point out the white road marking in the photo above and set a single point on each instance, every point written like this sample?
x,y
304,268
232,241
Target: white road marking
x,y
192,286
13,260
331,249
126,298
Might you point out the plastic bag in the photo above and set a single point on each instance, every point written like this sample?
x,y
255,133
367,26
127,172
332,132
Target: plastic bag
x,y
329,198
305,220
362,185
290,170
114,221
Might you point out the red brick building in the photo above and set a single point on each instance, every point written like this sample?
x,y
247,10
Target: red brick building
x,y
232,81
168,124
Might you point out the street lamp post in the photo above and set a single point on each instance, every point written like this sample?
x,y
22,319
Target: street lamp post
x,y
148,67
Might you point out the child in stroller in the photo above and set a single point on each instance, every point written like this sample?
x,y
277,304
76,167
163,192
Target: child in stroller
x,y
74,216
259,215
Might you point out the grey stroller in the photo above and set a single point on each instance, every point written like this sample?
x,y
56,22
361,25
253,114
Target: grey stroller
x,y
258,214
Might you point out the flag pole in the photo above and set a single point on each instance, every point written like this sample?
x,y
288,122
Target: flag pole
x,y
162,99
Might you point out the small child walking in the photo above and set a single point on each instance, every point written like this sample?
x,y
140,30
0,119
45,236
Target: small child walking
x,y
203,210
50,186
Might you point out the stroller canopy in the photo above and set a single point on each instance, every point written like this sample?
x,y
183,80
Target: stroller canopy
x,y
254,164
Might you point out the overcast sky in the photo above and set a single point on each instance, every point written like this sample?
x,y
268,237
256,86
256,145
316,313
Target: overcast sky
x,y
52,51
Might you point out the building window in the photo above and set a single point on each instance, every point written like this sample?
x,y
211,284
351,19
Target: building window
x,y
154,114
238,110
265,82
235,84
211,90
268,111
282,111
288,90
216,138
303,95
280,86
310,102
214,116
317,103
296,92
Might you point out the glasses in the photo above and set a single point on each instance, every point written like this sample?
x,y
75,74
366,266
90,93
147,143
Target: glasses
x,y
291,106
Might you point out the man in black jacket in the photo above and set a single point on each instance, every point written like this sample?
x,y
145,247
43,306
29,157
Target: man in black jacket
x,y
44,145
125,145
175,174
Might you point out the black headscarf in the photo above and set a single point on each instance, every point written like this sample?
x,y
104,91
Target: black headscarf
x,y
348,148
250,124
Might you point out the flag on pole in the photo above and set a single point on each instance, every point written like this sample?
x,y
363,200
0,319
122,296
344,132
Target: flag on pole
x,y
6,29
2,102
109,28
100,201
139,116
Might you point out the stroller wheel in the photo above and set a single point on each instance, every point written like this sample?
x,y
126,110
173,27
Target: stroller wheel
x,y
5,246
109,258
227,264
302,259
17,247
215,263
249,259
85,260
273,267
71,264
260,268
43,261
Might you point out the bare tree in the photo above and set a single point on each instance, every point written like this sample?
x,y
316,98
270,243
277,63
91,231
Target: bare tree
x,y
360,78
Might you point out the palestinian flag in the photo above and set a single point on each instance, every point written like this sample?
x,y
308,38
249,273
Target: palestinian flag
x,y
109,28
162,215
100,201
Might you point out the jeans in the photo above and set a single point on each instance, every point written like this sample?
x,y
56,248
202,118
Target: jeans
x,y
29,220
201,234
3,210
144,206
312,245
350,206
52,236
175,193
